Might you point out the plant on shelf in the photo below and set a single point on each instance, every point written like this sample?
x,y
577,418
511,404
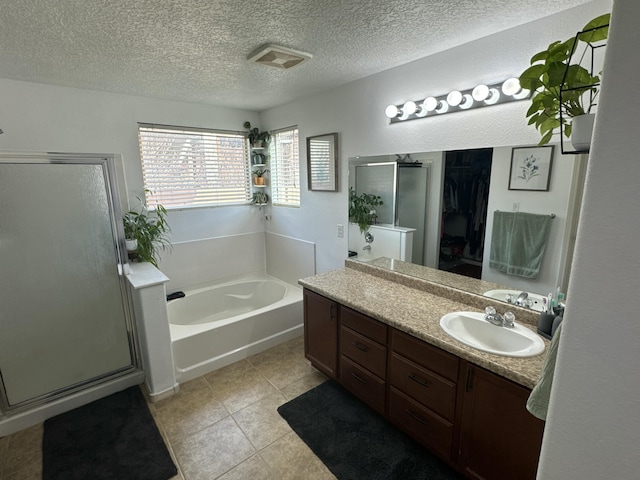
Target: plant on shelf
x,y
149,229
362,209
259,174
551,71
257,139
260,198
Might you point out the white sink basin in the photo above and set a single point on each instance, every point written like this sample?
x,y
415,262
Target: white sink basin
x,y
472,329
536,300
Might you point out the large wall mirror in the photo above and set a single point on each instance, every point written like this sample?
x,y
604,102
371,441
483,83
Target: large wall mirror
x,y
441,206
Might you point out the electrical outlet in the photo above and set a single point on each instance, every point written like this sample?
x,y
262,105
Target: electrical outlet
x,y
340,231
516,206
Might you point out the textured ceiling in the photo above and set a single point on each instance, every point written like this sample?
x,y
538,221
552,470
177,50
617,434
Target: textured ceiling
x,y
196,50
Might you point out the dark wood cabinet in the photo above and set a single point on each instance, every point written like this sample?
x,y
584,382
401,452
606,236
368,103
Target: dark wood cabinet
x,y
423,392
472,418
363,357
499,437
321,333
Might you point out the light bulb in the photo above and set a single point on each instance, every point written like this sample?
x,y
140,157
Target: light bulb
x,y
422,110
430,104
391,111
409,108
454,98
467,101
524,93
511,86
494,96
480,93
442,107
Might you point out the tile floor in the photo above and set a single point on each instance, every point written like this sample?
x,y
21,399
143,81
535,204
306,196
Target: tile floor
x,y
223,425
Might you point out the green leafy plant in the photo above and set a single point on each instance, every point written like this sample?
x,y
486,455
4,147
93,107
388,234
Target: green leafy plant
x,y
550,71
260,198
256,136
150,229
260,172
362,208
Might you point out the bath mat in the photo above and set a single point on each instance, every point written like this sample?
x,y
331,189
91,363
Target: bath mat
x,y
354,442
112,438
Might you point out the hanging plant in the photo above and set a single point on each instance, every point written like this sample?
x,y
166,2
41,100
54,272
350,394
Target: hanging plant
x,y
551,71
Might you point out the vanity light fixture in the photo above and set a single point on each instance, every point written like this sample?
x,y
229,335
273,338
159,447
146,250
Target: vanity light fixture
x,y
458,100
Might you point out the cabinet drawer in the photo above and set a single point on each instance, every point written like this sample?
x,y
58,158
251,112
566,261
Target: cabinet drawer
x,y
423,425
431,390
364,385
367,326
428,356
367,353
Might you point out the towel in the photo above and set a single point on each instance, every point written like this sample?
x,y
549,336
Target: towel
x,y
538,402
518,242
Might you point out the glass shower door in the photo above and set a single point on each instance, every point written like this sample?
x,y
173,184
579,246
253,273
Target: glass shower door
x,y
64,316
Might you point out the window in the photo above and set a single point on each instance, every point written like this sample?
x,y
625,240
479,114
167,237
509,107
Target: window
x,y
285,168
184,166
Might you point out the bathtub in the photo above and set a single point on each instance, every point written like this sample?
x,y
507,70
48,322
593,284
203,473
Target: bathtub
x,y
217,324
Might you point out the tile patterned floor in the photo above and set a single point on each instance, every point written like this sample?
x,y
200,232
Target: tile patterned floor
x,y
222,426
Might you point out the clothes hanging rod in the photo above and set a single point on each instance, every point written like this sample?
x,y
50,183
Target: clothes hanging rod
x,y
552,215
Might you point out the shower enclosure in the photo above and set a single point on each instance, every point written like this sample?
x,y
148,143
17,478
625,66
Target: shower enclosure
x,y
65,316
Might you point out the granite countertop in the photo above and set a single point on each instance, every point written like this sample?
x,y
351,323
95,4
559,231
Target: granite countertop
x,y
417,311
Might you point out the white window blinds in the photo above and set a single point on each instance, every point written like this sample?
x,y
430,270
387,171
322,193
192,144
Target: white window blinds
x,y
285,168
184,166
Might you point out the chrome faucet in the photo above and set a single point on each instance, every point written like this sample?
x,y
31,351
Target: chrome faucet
x,y
521,299
506,320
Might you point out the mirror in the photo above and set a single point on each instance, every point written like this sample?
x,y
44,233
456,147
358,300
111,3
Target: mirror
x,y
424,243
322,162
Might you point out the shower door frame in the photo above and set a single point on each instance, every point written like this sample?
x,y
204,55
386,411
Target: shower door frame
x,y
107,162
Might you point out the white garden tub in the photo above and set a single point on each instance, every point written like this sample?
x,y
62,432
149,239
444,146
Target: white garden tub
x,y
218,324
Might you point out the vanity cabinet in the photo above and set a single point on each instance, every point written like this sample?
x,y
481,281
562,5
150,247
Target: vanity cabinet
x,y
321,333
423,392
470,417
499,437
363,357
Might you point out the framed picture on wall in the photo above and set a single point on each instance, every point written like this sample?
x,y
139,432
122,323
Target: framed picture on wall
x,y
531,168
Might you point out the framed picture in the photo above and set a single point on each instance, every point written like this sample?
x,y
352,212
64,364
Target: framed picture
x,y
322,162
531,168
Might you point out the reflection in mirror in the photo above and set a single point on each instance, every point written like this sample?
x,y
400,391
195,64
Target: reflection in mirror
x,y
426,244
322,162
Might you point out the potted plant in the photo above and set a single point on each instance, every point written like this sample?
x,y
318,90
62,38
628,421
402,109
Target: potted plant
x,y
562,89
257,139
362,209
146,233
260,198
259,174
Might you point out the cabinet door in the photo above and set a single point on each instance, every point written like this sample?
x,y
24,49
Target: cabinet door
x,y
500,438
321,332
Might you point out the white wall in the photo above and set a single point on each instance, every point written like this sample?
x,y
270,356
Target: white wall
x,y
593,428
44,118
356,111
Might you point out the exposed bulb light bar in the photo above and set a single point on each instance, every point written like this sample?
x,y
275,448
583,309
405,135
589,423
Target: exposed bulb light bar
x,y
458,100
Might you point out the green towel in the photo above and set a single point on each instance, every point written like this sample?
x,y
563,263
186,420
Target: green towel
x,y
518,241
538,402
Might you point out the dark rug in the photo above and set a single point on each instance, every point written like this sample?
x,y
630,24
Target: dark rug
x,y
355,442
112,438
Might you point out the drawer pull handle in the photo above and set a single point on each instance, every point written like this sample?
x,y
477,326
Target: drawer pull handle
x,y
361,346
359,378
416,417
419,380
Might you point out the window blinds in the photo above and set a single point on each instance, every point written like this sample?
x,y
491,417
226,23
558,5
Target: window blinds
x,y
285,168
184,166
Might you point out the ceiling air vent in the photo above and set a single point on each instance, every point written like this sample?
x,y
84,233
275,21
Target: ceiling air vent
x,y
278,57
